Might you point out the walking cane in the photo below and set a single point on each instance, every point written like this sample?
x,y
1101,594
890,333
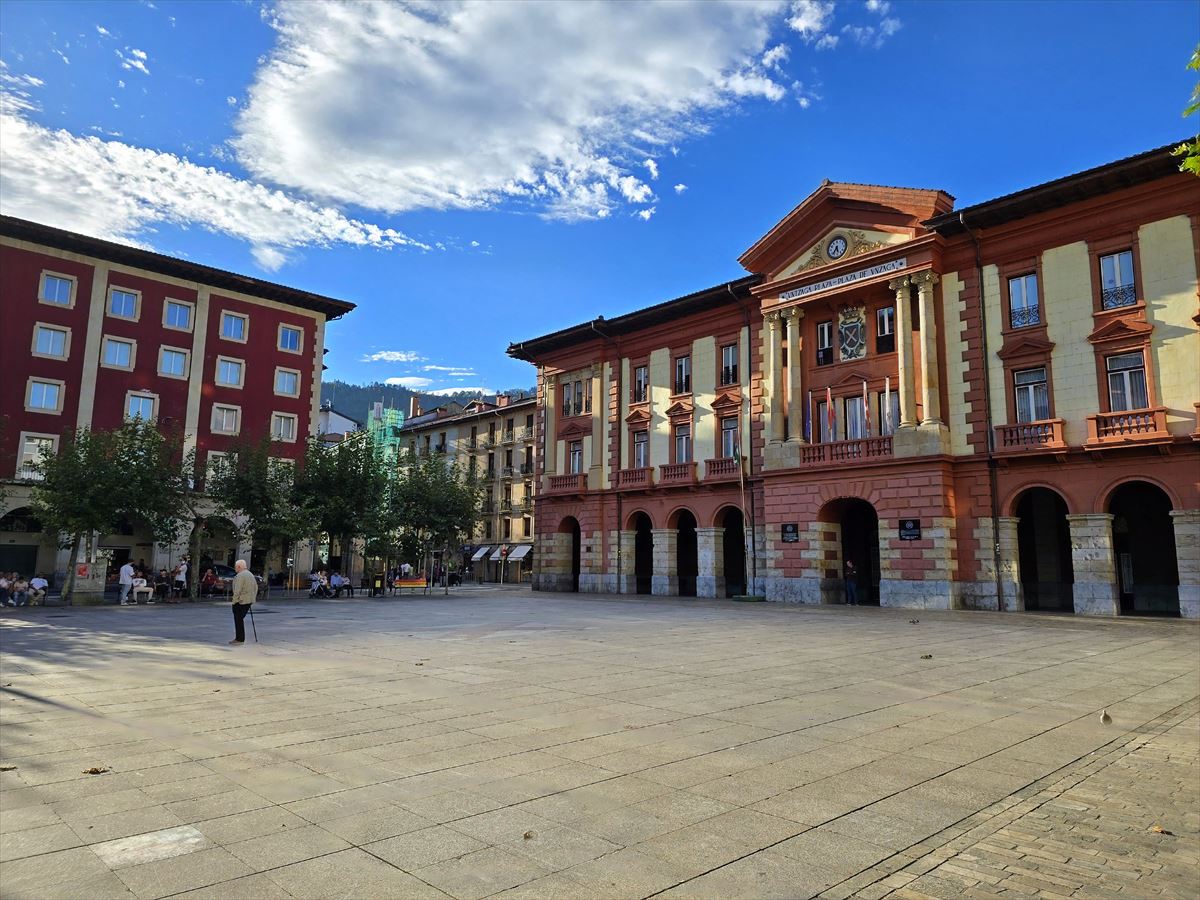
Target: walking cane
x,y
252,625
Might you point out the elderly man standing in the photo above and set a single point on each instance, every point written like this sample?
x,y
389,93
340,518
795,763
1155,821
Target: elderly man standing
x,y
245,589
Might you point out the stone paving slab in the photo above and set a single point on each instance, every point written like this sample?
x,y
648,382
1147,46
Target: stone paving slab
x,y
532,745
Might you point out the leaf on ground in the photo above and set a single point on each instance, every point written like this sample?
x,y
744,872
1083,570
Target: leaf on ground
x,y
926,656
7,768
530,835
96,770
418,664
1158,829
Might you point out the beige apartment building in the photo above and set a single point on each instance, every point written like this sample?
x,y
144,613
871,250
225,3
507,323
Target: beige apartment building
x,y
494,439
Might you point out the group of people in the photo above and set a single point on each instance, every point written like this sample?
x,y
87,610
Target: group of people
x,y
324,584
141,583
18,591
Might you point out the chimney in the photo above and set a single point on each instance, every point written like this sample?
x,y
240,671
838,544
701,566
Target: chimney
x,y
502,399
414,406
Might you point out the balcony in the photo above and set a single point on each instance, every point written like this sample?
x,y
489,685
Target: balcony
x,y
1117,297
862,450
635,479
677,474
525,434
507,472
1196,431
723,469
488,442
1128,428
507,437
488,475
472,443
568,484
526,469
1043,436
521,507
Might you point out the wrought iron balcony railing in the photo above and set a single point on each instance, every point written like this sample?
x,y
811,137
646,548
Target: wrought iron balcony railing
x,y
1115,298
1024,316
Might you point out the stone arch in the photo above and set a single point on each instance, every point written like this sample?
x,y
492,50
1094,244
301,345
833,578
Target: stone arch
x,y
1045,566
1008,506
1143,535
674,515
642,526
855,523
850,490
630,519
732,522
570,526
687,559
1104,497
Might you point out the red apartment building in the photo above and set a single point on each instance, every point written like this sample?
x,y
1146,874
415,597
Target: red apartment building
x,y
99,333
992,407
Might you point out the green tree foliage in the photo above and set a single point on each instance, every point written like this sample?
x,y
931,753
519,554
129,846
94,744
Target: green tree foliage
x,y
342,490
261,489
1190,150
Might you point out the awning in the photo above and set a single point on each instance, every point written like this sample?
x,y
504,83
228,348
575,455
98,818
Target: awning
x,y
497,555
519,552
480,554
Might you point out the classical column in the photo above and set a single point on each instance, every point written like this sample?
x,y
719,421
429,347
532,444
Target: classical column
x,y
1187,554
775,324
795,375
904,360
710,556
549,430
665,581
930,378
1094,562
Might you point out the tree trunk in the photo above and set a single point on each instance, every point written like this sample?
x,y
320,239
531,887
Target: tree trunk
x,y
68,591
193,557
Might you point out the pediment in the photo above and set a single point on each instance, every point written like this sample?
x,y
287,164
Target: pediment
x,y
1019,345
1120,330
852,378
727,402
856,241
641,415
575,428
679,409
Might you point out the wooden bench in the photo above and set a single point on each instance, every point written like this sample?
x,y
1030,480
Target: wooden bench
x,y
415,584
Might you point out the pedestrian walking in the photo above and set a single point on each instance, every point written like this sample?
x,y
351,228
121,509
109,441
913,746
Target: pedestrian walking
x,y
126,579
244,590
851,583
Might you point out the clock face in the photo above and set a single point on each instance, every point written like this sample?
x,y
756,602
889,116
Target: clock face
x,y
836,248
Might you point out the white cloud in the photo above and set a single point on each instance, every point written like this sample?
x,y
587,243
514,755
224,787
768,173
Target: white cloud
x,y
118,192
474,243
775,57
393,356
104,131
120,83
680,188
412,382
269,258
879,6
132,58
66,59
811,18
231,101
103,32
869,35
446,392
455,371
827,42
645,214
652,168
562,110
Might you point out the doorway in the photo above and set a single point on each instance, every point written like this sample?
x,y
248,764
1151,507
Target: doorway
x,y
686,556
643,553
734,550
860,544
1044,551
1144,547
570,525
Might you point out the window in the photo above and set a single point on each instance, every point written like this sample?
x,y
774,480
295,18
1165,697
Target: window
x,y
729,364
855,418
824,343
34,448
1032,395
683,443
487,529
1023,301
291,339
173,362
729,437
177,315
587,397
118,354
825,429
578,397
230,372
283,427
287,382
234,326
1116,280
140,407
1126,382
889,412
58,290
525,526
641,449
50,342
641,384
44,395
885,330
123,304
576,457
568,399
226,419
507,525
683,375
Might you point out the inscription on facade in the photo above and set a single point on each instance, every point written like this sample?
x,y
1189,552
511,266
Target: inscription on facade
x,y
848,278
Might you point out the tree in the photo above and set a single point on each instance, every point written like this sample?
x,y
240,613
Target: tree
x,y
1190,150
435,500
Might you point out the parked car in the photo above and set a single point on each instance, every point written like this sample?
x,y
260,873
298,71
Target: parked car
x,y
225,579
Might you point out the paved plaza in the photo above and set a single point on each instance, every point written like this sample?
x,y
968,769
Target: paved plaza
x,y
515,745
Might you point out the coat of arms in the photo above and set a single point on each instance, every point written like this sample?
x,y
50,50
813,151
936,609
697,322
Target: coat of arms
x,y
852,332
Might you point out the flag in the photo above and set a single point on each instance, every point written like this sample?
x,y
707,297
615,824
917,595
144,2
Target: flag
x,y
866,412
808,419
887,404
830,415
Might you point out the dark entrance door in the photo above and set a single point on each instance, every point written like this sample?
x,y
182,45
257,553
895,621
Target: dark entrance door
x,y
1144,545
734,547
687,558
643,554
575,549
860,543
1044,549
19,558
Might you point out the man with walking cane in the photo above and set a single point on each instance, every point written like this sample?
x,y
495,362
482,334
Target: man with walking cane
x,y
245,589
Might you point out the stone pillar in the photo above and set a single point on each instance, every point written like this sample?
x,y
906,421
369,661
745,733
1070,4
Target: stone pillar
x,y
549,429
1092,557
627,565
904,360
710,551
665,581
1012,595
930,378
1187,554
775,361
795,375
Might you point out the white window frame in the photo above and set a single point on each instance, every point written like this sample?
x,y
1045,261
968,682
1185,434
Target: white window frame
x,y
55,382
104,342
141,395
137,303
187,362
641,448
1123,374
214,455
245,326
74,289
729,373
854,419
191,308
641,384
682,383
279,338
885,321
825,335
240,363
276,418
575,456
1019,299
682,437
64,330
1029,391
212,420
729,449
281,370
23,460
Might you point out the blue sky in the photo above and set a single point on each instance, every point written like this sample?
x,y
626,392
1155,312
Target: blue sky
x,y
475,173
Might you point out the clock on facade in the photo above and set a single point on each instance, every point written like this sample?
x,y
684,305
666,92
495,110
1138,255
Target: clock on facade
x,y
836,248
